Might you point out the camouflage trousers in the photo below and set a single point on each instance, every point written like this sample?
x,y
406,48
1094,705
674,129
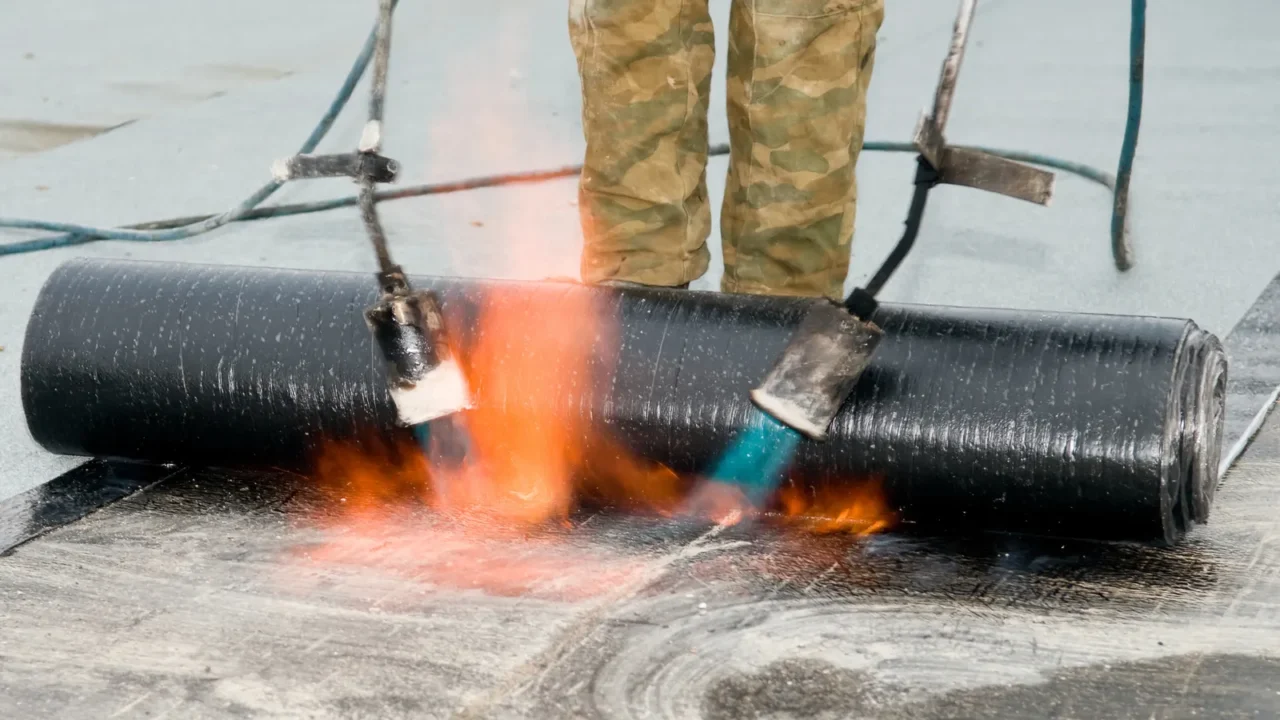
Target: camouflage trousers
x,y
798,76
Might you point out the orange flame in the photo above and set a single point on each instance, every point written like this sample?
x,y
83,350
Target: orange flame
x,y
859,508
527,357
493,536
364,479
482,531
533,454
537,361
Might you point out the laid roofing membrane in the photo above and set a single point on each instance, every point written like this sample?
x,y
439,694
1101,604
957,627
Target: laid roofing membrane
x,y
208,595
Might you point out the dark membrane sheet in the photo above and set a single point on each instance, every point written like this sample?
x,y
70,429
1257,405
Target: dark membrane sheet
x,y
1090,426
71,496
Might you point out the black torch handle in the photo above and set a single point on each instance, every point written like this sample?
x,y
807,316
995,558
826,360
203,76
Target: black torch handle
x,y
862,301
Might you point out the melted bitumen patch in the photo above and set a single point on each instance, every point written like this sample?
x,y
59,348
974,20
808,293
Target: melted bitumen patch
x,y
793,690
25,136
1184,686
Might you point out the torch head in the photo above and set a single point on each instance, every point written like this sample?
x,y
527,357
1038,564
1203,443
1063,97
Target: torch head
x,y
817,370
426,381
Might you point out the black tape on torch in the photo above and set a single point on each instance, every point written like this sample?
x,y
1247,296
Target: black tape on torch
x,y
1090,426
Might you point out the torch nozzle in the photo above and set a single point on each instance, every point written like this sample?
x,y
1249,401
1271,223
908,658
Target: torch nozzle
x,y
817,370
424,377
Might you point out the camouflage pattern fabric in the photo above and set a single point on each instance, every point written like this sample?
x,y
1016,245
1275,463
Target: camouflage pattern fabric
x,y
798,77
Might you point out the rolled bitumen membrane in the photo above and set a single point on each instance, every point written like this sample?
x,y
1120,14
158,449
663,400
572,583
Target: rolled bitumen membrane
x,y
1092,426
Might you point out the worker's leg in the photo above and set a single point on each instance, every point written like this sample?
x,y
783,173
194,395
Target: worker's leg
x,y
645,67
798,77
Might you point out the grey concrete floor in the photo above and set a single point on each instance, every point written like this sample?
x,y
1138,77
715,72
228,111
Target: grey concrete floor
x,y
206,95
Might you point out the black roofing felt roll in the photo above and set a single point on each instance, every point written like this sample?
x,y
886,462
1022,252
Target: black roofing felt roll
x,y
1077,425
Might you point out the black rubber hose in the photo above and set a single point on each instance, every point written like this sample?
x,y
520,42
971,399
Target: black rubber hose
x,y
1074,425
926,178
